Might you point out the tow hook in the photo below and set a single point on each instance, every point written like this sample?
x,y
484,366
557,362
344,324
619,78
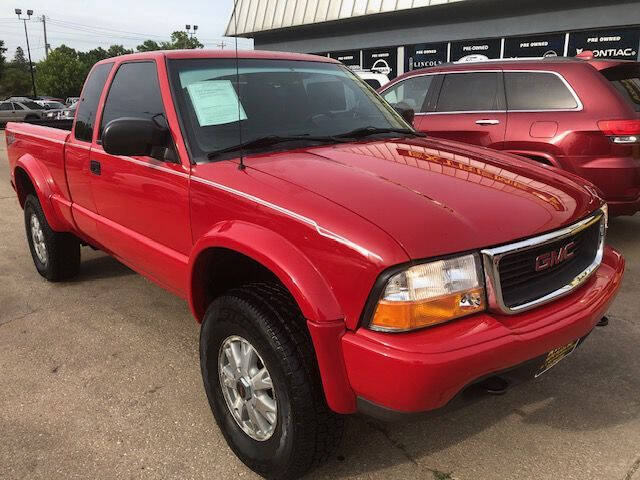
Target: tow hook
x,y
494,385
604,321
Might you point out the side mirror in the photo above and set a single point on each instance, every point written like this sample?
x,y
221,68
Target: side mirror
x,y
133,136
405,112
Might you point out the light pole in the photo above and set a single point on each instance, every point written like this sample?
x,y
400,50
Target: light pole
x,y
24,20
188,27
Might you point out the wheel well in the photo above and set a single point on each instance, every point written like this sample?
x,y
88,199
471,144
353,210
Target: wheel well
x,y
218,270
536,158
24,185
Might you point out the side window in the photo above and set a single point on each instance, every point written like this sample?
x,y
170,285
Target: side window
x,y
17,106
134,92
537,91
412,91
88,103
471,92
5,106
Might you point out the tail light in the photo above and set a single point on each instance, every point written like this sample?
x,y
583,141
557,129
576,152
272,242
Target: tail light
x,y
621,131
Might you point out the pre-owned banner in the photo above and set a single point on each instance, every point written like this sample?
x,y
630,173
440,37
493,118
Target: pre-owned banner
x,y
476,49
424,55
381,60
351,58
614,43
549,45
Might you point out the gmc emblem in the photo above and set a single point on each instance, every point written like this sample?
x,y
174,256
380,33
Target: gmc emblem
x,y
549,259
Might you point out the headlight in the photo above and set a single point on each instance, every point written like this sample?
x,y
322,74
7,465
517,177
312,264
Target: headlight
x,y
605,211
431,293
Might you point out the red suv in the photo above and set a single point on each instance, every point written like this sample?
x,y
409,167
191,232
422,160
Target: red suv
x,y
579,115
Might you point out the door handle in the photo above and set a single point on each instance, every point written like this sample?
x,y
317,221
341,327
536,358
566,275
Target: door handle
x,y
94,166
488,122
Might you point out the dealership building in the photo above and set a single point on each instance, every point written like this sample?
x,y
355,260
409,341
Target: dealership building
x,y
395,36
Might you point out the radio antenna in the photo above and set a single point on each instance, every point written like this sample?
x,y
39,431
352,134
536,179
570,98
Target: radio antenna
x,y
235,21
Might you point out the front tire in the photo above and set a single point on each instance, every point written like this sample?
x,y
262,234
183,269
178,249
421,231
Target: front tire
x,y
56,255
292,430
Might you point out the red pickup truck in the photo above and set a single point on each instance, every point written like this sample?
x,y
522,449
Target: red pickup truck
x,y
337,260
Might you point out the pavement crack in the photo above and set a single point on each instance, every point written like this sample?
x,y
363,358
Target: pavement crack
x,y
19,317
634,468
397,445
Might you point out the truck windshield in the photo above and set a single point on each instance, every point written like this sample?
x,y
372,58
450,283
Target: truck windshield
x,y
626,79
222,106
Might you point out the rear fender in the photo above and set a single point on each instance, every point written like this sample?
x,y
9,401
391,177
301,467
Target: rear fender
x,y
45,188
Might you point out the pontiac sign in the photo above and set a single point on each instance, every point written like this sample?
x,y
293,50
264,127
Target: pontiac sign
x,y
618,44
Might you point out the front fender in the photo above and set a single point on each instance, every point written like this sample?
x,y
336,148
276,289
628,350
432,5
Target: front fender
x,y
309,289
311,292
45,189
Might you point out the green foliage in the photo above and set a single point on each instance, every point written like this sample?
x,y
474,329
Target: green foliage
x,y
180,40
16,79
2,59
62,73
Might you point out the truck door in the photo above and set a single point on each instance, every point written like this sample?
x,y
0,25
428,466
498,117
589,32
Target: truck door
x,y
77,152
470,109
142,202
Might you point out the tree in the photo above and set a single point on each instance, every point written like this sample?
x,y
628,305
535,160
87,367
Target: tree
x,y
2,59
117,50
179,40
16,79
149,46
20,60
62,74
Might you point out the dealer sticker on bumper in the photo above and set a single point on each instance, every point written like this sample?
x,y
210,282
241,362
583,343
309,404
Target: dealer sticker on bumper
x,y
554,356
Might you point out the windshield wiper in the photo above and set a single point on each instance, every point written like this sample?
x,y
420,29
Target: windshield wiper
x,y
368,131
270,140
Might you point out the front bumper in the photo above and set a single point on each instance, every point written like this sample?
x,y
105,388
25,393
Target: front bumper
x,y
424,370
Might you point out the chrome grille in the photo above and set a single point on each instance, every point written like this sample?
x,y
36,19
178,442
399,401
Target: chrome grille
x,y
529,273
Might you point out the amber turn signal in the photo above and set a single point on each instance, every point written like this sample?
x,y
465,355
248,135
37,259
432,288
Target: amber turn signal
x,y
403,316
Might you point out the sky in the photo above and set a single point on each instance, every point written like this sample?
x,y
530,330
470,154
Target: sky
x,y
87,24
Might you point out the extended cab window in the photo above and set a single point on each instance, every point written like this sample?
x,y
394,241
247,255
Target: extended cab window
x,y
471,92
134,92
412,91
88,103
537,91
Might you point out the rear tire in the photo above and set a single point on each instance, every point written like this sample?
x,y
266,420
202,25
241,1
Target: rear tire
x,y
305,431
56,255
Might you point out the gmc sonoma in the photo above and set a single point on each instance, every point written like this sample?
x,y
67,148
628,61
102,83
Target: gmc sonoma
x,y
337,260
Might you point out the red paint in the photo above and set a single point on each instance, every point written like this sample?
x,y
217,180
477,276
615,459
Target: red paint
x,y
327,221
575,141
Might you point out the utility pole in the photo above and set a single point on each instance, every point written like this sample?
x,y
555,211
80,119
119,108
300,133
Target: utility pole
x,y
46,44
24,20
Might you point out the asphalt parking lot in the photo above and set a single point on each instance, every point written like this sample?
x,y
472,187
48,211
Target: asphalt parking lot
x,y
99,378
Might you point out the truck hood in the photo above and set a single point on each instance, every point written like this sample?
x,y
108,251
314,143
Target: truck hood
x,y
436,197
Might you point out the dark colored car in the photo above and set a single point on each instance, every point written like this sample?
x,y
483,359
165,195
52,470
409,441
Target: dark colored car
x,y
582,116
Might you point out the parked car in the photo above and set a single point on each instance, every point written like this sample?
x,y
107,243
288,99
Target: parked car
x,y
64,113
71,100
374,80
19,111
337,260
582,116
51,105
